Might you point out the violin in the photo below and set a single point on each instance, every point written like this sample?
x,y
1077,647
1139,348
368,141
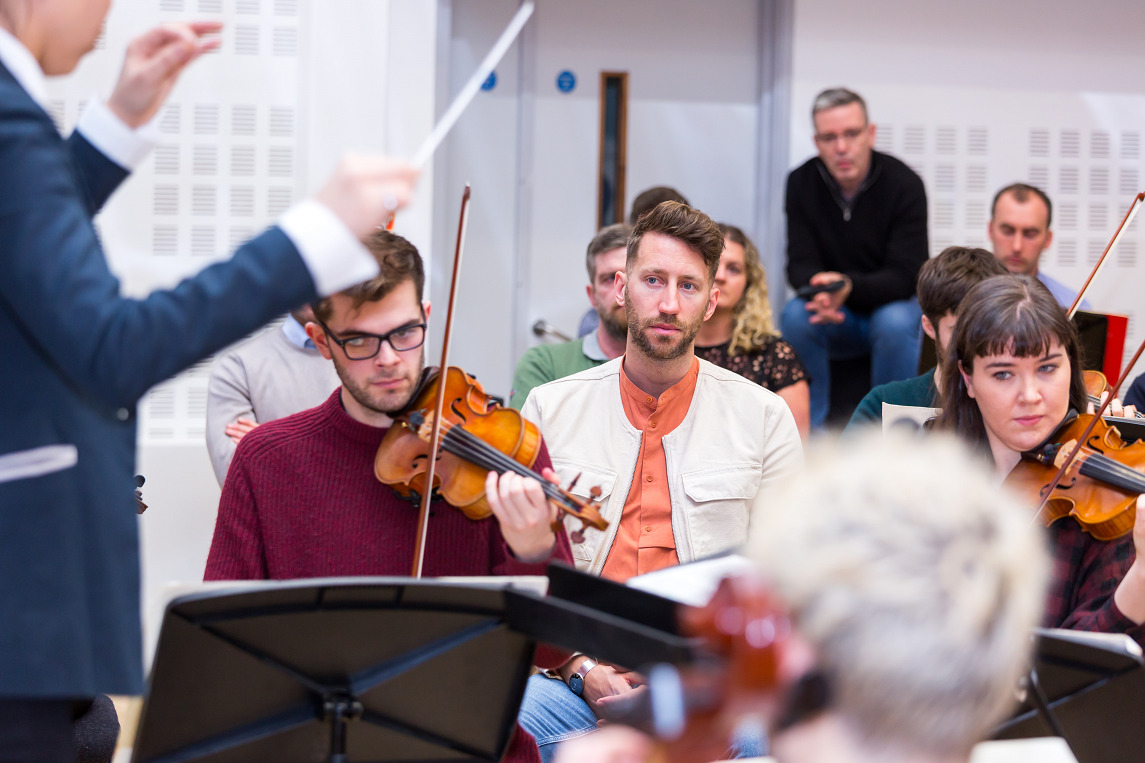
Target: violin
x,y
479,436
1084,469
1098,486
693,710
466,438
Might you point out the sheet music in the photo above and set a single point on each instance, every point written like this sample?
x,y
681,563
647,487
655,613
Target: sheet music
x,y
693,583
1110,642
907,417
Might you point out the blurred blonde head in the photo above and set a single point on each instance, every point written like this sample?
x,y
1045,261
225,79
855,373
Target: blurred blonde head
x,y
916,580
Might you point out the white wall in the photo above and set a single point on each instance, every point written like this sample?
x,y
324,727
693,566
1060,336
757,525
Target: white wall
x,y
531,151
692,121
978,94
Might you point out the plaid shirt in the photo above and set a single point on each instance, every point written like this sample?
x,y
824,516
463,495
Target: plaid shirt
x,y
1086,573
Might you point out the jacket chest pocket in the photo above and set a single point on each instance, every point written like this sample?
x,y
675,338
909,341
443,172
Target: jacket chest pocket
x,y
719,507
588,478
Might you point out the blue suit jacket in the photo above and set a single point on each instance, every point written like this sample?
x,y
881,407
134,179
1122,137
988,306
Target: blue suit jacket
x,y
75,357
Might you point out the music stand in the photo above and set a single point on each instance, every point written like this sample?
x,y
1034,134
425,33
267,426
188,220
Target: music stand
x,y
335,670
608,620
1087,688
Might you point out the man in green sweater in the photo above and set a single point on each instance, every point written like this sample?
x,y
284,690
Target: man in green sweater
x,y
942,283
606,256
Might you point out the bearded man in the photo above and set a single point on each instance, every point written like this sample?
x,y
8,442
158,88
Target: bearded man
x,y
546,362
685,452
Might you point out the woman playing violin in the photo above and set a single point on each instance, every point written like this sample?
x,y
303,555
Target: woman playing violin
x,y
1012,375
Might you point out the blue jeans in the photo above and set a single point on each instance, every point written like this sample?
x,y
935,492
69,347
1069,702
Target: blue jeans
x,y
891,335
552,714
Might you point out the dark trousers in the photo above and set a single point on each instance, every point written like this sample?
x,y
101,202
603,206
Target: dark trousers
x,y
37,731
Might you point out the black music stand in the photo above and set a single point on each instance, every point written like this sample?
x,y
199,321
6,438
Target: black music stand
x,y
608,620
335,670
1088,689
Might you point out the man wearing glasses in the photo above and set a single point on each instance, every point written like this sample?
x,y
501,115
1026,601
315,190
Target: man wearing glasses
x,y
301,500
856,222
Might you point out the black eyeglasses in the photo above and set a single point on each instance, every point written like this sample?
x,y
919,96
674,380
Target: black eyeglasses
x,y
366,346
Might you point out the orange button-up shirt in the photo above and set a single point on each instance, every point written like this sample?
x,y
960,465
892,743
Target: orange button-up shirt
x,y
644,540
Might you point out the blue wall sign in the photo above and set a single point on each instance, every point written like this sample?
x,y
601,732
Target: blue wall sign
x,y
490,81
566,81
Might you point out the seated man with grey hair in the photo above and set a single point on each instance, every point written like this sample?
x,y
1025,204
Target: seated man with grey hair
x,y
911,607
856,218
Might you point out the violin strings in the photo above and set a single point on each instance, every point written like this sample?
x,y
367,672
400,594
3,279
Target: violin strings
x,y
494,459
473,448
1111,470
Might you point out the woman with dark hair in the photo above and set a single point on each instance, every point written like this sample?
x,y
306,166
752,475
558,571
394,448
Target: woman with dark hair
x,y
741,335
1012,375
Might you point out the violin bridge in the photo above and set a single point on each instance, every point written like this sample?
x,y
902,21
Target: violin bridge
x,y
425,427
1064,450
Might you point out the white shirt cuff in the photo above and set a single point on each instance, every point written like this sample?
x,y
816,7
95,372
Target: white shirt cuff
x,y
114,139
335,258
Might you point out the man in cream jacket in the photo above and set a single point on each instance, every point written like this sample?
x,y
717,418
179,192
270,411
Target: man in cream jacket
x,y
684,452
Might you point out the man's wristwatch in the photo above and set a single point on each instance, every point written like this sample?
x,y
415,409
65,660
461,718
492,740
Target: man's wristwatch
x,y
576,680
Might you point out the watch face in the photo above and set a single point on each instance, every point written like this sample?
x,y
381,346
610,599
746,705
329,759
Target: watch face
x,y
576,683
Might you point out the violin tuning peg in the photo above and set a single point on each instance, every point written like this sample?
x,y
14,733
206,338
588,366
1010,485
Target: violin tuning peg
x,y
595,492
577,536
574,481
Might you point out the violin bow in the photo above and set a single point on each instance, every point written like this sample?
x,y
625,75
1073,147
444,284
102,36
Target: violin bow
x,y
1129,215
1108,248
439,402
472,85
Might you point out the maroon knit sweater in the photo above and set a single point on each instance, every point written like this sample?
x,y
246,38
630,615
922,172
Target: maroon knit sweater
x,y
301,501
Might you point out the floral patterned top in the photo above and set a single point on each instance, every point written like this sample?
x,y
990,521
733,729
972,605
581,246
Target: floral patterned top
x,y
773,364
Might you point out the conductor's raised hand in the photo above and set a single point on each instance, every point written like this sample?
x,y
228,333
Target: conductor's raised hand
x,y
524,513
365,191
153,64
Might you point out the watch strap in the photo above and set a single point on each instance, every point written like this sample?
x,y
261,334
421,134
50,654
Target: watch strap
x,y
576,680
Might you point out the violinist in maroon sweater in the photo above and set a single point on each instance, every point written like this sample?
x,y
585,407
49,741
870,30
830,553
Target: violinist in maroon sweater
x,y
301,500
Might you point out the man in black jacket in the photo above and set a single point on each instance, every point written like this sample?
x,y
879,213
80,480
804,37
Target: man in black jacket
x,y
856,219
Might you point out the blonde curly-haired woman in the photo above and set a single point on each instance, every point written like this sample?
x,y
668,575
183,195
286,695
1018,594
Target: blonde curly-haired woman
x,y
741,335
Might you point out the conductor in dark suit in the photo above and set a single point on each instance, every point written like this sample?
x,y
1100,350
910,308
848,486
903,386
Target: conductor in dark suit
x,y
75,356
